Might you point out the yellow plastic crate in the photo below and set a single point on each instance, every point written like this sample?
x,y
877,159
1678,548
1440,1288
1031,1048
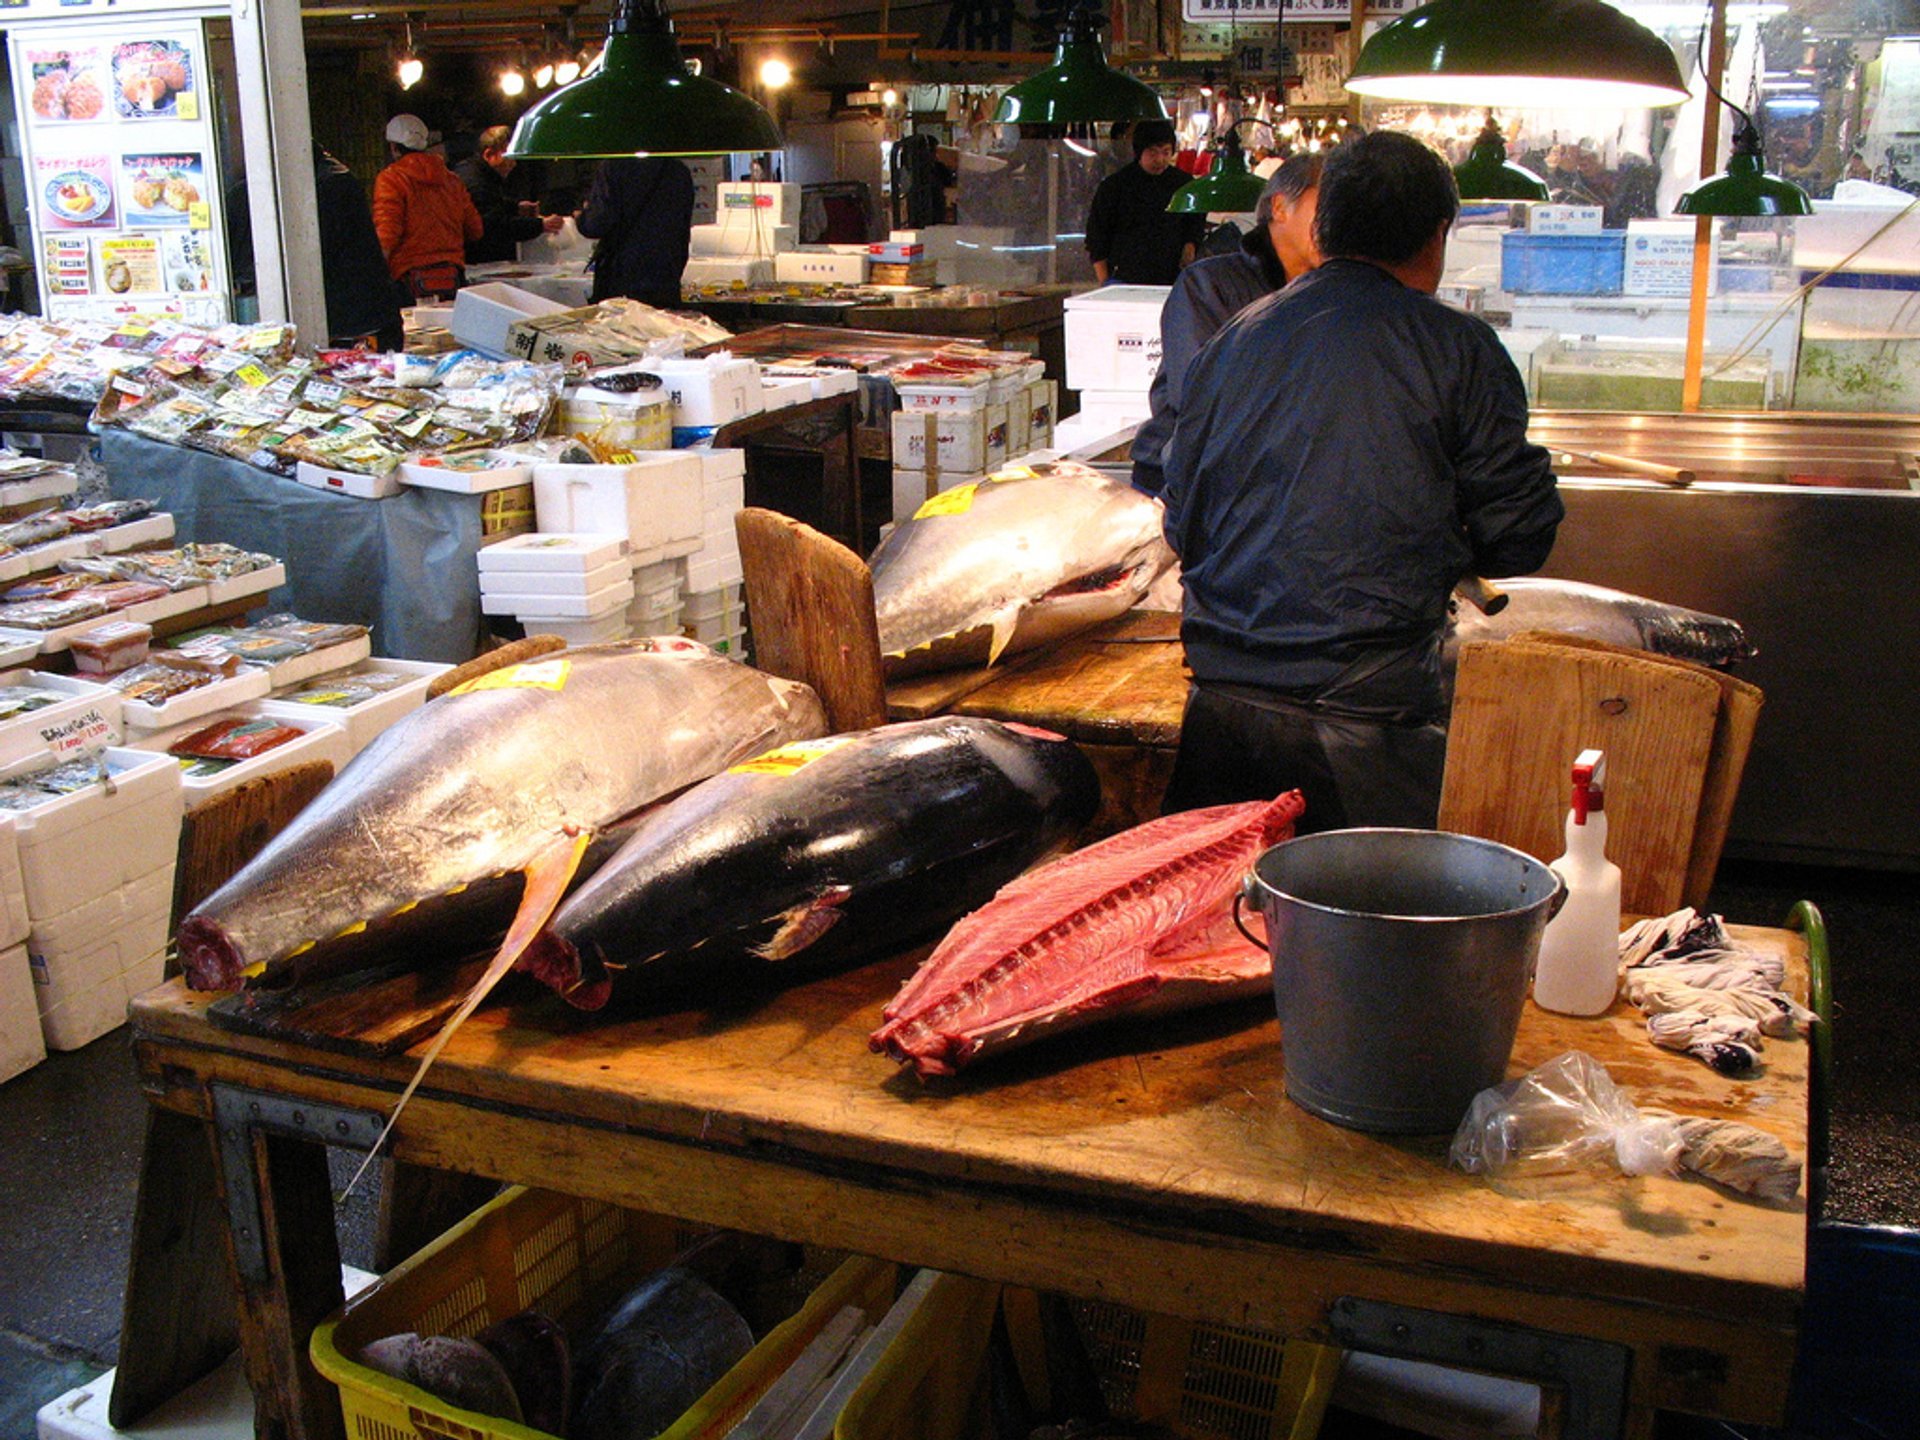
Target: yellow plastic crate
x,y
924,1387
570,1259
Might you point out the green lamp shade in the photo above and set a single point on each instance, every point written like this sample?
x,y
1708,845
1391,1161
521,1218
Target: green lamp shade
x,y
1518,54
1746,189
1079,87
643,101
1486,175
1228,187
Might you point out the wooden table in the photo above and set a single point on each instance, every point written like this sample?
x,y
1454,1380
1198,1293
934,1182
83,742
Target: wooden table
x,y
824,428
1119,690
1158,1165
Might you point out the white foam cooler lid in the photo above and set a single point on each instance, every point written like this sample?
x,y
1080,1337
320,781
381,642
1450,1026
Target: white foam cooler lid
x,y
574,553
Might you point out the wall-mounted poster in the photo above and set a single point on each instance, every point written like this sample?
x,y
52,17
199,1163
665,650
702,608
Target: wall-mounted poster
x,y
130,264
188,262
160,189
76,191
154,80
69,82
69,265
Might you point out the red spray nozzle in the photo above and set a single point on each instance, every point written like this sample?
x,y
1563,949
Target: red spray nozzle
x,y
1589,784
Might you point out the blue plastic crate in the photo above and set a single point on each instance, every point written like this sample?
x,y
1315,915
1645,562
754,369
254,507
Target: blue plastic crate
x,y
1563,264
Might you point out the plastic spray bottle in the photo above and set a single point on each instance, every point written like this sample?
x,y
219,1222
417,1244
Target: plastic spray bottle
x,y
1580,952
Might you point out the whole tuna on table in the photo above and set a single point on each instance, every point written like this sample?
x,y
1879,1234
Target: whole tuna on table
x,y
1138,924
839,848
1013,561
1598,613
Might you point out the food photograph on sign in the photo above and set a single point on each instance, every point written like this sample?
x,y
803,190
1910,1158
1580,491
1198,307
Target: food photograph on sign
x,y
154,80
76,191
69,265
130,264
67,83
188,262
162,189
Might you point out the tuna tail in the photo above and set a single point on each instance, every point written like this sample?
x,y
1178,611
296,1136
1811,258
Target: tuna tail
x,y
1004,622
548,875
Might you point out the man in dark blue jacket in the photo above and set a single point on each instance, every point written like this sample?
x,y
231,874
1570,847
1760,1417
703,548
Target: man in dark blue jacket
x,y
1346,452
641,212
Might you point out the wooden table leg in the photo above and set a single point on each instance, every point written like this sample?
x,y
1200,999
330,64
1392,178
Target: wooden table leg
x,y
178,1322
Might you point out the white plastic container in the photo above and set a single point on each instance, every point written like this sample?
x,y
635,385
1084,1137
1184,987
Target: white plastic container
x,y
712,390
482,315
556,551
250,684
19,646
816,267
22,1046
76,847
347,482
653,502
1578,972
325,739
89,962
554,582
767,201
87,713
364,721
612,598
1113,337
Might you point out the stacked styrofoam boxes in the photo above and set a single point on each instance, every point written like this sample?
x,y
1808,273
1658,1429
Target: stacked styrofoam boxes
x,y
708,392
945,433
540,578
1113,352
659,592
365,719
750,218
22,1046
97,872
713,612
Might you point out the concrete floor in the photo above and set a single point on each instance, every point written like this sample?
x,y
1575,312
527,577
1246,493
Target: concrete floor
x,y
70,1133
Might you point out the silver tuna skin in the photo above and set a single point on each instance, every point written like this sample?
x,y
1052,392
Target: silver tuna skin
x,y
1602,614
480,784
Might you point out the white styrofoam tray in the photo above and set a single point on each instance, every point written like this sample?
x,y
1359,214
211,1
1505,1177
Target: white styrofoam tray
x,y
325,739
347,482
147,530
87,706
554,582
572,552
51,486
77,846
179,602
250,684
535,608
254,582
583,632
500,473
367,719
296,668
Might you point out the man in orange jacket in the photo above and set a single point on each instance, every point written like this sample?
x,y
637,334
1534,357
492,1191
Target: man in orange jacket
x,y
423,214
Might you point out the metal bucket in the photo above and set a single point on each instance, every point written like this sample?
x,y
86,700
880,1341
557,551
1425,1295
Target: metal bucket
x,y
1400,963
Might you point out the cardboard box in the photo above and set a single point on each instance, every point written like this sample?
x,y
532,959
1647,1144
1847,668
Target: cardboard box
x,y
816,267
569,337
1659,258
898,251
1113,337
1564,219
953,442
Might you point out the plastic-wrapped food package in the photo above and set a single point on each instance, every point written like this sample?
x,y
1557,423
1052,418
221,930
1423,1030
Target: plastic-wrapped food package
x,y
35,530
51,614
235,739
315,634
107,514
48,587
155,684
25,699
111,648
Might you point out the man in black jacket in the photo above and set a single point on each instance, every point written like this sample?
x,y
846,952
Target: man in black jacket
x,y
1346,452
641,212
1131,237
508,221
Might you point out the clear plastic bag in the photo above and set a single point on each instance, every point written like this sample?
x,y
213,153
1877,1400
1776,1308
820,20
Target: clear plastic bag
x,y
1565,1115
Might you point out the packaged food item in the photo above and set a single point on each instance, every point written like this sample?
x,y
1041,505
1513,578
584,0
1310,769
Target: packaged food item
x,y
51,614
199,767
316,634
110,648
49,587
235,738
73,776
34,530
339,697
107,514
204,652
24,700
155,684
119,594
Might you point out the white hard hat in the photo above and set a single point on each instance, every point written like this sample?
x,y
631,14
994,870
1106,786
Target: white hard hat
x,y
409,132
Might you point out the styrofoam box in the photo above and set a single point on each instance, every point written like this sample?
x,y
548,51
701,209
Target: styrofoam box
x,y
13,888
147,530
296,668
582,632
814,267
554,582
179,602
654,501
778,394
1564,219
88,963
1659,258
722,499
974,394
22,1046
641,421
19,646
910,490
656,608
709,391
326,739
348,482
721,465
705,573
705,604
52,486
1113,337
87,705
722,632
367,719
824,381
482,314
726,270
574,553
959,443
496,471
561,607
253,582
78,846
657,578
740,239
250,684
766,200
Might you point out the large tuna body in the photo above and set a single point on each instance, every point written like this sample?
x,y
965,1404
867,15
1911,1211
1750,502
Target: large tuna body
x,y
837,848
486,781
1137,924
1011,562
1602,614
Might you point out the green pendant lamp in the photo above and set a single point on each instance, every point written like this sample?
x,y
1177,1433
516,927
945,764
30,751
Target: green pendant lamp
x,y
643,100
1228,187
1486,175
1746,189
1518,54
1079,87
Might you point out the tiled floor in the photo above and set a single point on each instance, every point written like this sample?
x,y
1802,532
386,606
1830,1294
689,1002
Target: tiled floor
x,y
70,1133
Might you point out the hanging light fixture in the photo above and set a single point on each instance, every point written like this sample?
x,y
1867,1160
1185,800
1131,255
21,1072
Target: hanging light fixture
x,y
1487,175
775,74
1518,54
513,79
643,100
408,69
1746,188
1080,85
1228,187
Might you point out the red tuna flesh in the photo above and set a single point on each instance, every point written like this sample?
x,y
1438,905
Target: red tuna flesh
x,y
1137,924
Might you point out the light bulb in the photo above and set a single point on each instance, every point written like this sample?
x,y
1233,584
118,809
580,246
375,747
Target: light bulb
x,y
543,76
566,72
409,72
890,97
775,74
512,82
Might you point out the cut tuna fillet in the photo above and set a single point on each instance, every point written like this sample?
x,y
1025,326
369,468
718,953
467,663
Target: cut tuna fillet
x,y
1138,924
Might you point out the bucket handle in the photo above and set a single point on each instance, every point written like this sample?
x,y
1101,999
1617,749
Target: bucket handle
x,y
1240,898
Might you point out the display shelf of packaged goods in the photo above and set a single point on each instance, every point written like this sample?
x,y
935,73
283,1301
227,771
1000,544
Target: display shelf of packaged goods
x,y
147,612
297,668
252,582
148,530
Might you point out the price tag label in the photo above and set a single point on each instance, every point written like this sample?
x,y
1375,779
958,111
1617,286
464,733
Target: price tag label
x,y
199,212
87,731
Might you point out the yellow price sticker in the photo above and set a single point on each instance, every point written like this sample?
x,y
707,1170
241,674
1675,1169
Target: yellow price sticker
x,y
535,675
199,215
251,376
788,758
186,106
956,501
